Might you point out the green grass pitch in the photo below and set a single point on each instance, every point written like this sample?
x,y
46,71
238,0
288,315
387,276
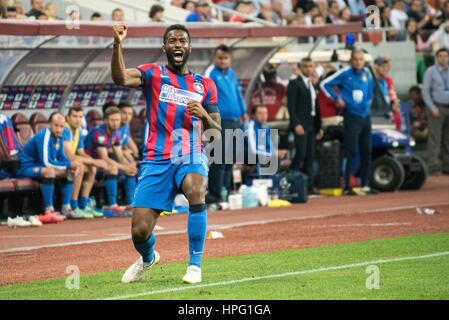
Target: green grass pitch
x,y
328,272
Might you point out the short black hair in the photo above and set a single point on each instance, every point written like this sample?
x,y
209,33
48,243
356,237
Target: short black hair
x,y
54,114
414,88
441,50
122,105
155,9
74,109
107,105
254,110
95,15
304,60
222,47
175,27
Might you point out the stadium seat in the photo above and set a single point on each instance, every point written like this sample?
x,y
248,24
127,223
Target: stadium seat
x,y
38,122
25,184
94,119
6,185
23,128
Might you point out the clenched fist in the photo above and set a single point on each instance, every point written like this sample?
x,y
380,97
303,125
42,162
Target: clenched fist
x,y
119,31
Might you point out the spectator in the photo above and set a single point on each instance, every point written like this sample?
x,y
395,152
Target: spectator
x,y
232,110
267,13
244,7
333,12
177,3
74,149
439,38
416,12
201,13
118,15
50,11
445,11
189,6
283,9
345,15
304,5
357,7
418,117
156,13
436,96
43,158
272,95
96,16
398,15
305,120
37,9
313,12
259,142
103,143
385,22
354,96
412,34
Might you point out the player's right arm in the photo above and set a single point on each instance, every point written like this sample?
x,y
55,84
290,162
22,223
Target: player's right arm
x,y
120,75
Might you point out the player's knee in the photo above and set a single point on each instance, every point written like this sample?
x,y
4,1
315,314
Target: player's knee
x,y
48,172
195,194
112,170
140,232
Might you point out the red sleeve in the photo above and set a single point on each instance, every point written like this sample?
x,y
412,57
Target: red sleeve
x,y
146,70
211,92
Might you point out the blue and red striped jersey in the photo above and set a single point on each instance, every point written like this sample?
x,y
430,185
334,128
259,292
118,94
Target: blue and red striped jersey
x,y
172,132
99,137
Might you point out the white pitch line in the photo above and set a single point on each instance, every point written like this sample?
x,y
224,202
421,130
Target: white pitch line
x,y
218,227
280,275
392,224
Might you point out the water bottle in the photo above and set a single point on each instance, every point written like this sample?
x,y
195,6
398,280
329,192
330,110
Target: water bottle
x,y
92,202
224,194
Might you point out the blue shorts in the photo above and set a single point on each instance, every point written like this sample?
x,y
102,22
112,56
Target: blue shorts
x,y
30,172
159,181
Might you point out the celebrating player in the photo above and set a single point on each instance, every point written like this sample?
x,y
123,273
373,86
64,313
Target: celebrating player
x,y
179,102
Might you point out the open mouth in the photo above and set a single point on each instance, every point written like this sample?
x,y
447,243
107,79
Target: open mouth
x,y
178,55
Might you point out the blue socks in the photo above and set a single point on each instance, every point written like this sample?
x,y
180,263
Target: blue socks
x,y
66,192
48,189
196,230
74,203
110,183
83,202
146,248
130,186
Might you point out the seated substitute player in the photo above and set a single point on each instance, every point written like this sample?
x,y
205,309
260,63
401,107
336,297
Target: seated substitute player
x,y
104,143
74,149
130,149
43,158
181,101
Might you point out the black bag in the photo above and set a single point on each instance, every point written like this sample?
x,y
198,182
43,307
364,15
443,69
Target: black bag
x,y
292,186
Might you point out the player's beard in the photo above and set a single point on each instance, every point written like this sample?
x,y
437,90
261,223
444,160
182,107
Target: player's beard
x,y
178,65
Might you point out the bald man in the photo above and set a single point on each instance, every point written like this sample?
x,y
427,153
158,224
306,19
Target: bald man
x,y
43,159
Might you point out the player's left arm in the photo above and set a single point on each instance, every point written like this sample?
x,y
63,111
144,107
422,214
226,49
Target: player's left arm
x,y
210,120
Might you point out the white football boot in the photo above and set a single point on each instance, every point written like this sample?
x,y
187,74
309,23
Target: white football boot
x,y
138,269
193,275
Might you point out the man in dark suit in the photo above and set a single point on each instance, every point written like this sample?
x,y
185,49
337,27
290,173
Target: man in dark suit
x,y
305,120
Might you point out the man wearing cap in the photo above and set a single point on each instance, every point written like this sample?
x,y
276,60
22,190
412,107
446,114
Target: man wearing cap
x,y
201,12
